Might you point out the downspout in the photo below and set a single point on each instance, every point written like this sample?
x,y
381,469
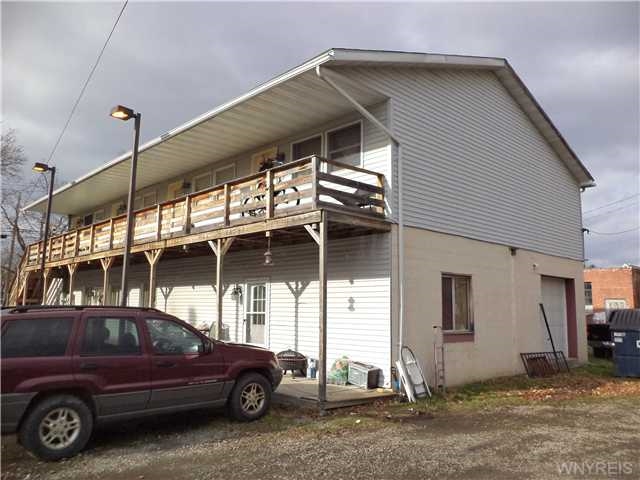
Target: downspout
x,y
365,113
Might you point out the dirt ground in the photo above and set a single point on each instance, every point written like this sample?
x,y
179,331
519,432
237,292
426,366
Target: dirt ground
x,y
489,431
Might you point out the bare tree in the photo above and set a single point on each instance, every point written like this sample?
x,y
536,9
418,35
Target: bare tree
x,y
19,229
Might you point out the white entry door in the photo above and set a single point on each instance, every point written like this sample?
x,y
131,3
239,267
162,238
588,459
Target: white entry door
x,y
256,313
555,306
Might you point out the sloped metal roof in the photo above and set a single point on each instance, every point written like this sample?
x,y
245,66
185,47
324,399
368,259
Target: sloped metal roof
x,y
293,101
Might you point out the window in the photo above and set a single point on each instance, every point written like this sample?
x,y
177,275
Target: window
x,y
456,303
225,174
306,148
88,219
588,295
145,200
98,215
169,338
615,303
345,145
202,181
46,337
110,336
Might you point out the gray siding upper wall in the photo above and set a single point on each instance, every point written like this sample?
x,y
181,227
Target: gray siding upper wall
x,y
474,163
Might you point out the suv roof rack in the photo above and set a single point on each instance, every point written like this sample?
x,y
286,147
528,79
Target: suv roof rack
x,y
26,308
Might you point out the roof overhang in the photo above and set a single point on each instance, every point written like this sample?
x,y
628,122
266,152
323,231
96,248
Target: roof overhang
x,y
293,101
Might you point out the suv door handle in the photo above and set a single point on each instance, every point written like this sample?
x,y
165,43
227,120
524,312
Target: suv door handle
x,y
166,364
88,366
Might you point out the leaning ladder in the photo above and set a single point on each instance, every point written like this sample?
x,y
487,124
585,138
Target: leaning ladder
x,y
438,359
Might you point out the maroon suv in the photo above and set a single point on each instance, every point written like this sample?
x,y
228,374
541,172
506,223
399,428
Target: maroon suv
x,y
65,369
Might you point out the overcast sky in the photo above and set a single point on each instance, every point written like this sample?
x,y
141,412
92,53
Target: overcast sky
x,y
175,61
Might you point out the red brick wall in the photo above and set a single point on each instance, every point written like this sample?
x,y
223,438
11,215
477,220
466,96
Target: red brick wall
x,y
614,283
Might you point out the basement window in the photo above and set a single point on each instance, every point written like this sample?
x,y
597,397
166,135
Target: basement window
x,y
457,315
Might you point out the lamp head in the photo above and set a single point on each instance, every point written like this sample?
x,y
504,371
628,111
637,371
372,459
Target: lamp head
x,y
40,167
122,113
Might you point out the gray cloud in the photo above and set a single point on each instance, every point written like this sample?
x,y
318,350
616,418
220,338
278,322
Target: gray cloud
x,y
175,61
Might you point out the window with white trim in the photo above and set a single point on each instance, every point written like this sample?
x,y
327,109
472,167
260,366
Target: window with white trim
x,y
345,145
588,295
225,174
145,200
202,181
457,314
306,148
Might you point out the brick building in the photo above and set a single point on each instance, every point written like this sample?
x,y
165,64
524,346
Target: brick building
x,y
610,288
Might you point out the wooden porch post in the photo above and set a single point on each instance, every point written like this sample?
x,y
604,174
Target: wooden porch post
x,y
25,286
320,237
220,247
45,284
322,307
106,268
152,257
72,267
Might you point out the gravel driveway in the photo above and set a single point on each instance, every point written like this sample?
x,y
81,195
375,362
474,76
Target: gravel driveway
x,y
500,442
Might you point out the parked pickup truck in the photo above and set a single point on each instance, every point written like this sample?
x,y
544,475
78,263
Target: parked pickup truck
x,y
66,369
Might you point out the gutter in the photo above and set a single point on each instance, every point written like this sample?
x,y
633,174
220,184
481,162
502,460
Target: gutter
x,y
365,113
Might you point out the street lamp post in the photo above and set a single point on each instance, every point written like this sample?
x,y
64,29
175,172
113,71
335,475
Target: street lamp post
x,y
42,168
123,113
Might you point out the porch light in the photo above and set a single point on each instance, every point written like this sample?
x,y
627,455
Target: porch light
x,y
122,113
268,257
236,293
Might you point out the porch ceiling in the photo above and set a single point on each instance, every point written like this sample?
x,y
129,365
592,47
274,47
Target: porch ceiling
x,y
247,123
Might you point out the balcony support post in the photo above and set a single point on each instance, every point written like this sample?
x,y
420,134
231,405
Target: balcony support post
x,y
220,248
152,257
45,284
72,267
106,269
319,235
25,286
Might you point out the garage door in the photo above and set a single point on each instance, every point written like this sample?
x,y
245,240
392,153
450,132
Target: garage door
x,y
555,305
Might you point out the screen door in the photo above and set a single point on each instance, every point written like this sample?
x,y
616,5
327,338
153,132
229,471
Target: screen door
x,y
256,313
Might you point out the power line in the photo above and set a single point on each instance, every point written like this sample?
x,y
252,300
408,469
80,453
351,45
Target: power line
x,y
615,233
612,203
593,216
86,83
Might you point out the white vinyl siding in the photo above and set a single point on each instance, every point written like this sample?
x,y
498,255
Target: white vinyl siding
x,y
474,164
358,291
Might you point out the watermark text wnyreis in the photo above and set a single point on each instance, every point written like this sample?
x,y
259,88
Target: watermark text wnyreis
x,y
598,468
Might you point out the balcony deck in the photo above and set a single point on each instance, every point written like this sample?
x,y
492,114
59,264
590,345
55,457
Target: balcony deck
x,y
294,194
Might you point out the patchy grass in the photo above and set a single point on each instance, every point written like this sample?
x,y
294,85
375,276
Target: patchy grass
x,y
588,382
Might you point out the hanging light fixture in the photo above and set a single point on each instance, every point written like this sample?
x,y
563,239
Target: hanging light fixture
x,y
268,257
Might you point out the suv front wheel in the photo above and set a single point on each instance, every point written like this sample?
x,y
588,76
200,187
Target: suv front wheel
x,y
57,427
250,398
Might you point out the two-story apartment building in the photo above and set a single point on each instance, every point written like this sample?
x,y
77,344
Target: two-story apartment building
x,y
415,190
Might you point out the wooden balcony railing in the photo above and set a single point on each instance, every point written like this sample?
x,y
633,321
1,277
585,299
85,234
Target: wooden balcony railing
x,y
307,184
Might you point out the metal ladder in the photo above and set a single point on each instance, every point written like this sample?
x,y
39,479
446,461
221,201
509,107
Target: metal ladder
x,y
438,359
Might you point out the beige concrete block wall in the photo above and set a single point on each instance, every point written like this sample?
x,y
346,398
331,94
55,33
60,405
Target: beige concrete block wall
x,y
506,291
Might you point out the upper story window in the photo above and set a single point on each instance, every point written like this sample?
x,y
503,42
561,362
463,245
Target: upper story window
x,y
225,174
145,200
306,148
588,295
345,144
202,181
457,313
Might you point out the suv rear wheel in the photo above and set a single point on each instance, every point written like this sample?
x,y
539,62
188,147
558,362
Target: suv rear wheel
x,y
250,398
57,427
